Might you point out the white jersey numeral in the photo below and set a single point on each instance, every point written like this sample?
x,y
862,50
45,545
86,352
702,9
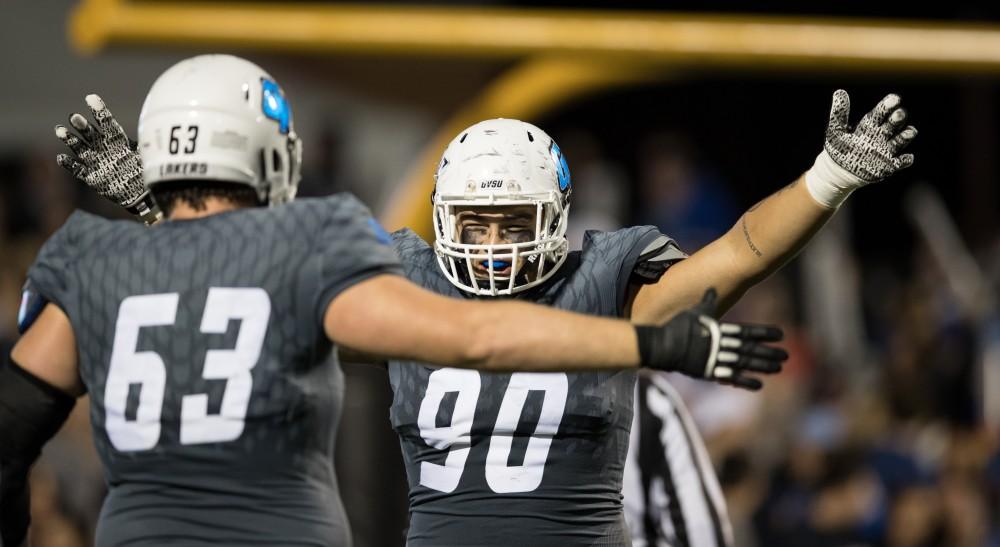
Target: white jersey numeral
x,y
527,476
456,437
252,306
145,368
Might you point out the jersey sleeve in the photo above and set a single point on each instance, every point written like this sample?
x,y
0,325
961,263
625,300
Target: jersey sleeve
x,y
420,262
50,276
350,247
635,255
656,258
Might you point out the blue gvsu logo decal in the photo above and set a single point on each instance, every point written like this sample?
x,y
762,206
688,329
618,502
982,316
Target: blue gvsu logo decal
x,y
275,106
562,168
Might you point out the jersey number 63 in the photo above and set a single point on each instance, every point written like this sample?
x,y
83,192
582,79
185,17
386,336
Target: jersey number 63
x,y
252,306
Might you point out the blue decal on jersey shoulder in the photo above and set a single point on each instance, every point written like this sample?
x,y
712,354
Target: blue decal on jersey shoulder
x,y
275,106
562,168
380,234
32,304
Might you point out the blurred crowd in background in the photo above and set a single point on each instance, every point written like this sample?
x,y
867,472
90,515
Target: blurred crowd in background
x,y
874,434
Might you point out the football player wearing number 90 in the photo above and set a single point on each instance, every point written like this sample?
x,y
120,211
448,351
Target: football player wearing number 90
x,y
498,459
207,342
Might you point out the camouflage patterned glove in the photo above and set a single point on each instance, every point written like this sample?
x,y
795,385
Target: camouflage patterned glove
x,y
869,153
107,161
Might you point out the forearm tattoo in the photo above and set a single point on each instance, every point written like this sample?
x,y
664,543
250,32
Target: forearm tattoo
x,y
746,235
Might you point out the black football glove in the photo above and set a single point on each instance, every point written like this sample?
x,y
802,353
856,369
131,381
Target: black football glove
x,y
696,344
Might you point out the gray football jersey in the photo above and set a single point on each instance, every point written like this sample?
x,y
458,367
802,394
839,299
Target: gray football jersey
x,y
214,392
522,458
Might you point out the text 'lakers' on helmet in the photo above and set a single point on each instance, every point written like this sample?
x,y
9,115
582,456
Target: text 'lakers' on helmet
x,y
502,162
221,118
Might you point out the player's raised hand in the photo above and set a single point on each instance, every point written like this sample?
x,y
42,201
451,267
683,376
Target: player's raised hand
x,y
696,344
869,152
106,160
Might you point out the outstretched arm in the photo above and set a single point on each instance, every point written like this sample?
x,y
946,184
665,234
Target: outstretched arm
x,y
774,230
392,317
387,315
763,240
384,315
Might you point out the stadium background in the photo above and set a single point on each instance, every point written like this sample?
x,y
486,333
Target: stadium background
x,y
884,428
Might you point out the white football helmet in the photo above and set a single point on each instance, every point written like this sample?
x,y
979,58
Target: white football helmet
x,y
220,117
495,163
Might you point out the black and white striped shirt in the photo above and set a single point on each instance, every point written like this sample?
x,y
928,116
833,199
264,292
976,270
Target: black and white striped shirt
x,y
672,497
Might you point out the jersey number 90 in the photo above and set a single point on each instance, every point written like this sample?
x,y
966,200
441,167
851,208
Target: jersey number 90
x,y
456,437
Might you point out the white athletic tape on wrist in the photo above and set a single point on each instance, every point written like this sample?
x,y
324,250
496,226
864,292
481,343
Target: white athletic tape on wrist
x,y
830,184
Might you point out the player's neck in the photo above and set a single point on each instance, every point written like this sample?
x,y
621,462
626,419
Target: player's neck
x,y
213,205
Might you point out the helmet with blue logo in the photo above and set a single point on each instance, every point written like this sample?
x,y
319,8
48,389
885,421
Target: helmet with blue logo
x,y
220,118
502,162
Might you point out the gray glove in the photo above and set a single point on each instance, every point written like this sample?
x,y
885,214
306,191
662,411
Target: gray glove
x,y
107,161
868,153
871,151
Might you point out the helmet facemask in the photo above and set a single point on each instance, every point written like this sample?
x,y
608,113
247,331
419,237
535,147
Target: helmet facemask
x,y
497,165
496,269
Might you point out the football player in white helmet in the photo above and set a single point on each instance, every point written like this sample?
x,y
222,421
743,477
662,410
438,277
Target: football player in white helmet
x,y
207,342
249,142
212,118
506,469
514,173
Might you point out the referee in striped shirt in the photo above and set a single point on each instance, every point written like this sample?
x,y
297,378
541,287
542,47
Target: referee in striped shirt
x,y
672,496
